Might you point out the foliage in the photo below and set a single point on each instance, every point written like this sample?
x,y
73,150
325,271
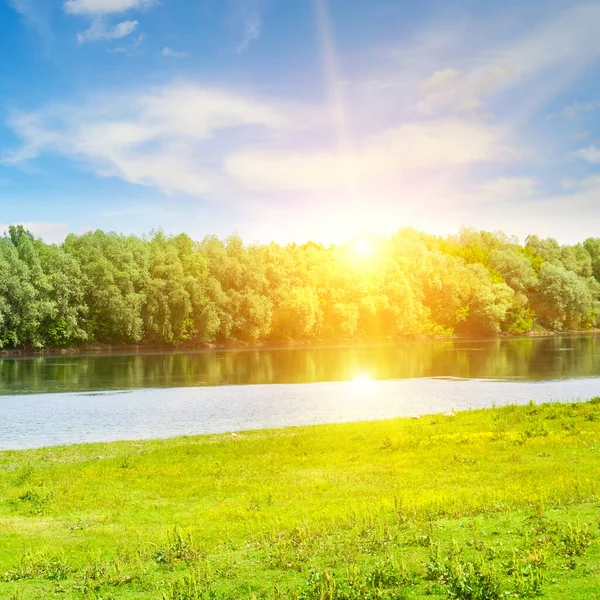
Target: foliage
x,y
115,289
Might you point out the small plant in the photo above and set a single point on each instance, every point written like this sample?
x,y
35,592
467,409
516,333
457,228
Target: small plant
x,y
423,538
36,500
31,566
436,567
190,587
471,581
23,475
538,430
389,444
532,409
526,571
575,540
389,574
99,574
528,581
570,427
463,460
177,547
382,584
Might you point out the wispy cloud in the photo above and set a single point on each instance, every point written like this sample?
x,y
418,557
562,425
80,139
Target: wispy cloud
x,y
591,154
103,7
252,25
509,188
100,31
508,64
174,53
97,11
34,14
130,49
168,137
207,142
573,111
433,144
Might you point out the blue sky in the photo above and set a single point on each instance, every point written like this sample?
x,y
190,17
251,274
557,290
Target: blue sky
x,y
300,119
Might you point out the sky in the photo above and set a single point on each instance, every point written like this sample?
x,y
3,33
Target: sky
x,y
297,120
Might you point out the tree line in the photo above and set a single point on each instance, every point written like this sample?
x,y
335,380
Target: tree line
x,y
109,288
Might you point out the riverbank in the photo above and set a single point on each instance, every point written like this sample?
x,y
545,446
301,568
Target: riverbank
x,y
108,349
504,499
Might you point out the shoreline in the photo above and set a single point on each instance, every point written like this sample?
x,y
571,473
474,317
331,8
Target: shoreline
x,y
51,420
285,430
108,349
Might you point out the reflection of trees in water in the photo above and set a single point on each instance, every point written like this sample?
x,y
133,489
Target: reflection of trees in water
x,y
531,358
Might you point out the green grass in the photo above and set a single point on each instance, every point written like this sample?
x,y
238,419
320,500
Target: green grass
x,y
487,504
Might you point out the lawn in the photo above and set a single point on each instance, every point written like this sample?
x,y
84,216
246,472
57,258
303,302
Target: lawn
x,y
498,503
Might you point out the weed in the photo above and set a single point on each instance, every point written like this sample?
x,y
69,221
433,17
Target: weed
x,y
31,566
388,574
570,427
528,581
177,547
36,500
436,567
24,474
99,574
190,587
472,581
381,584
575,540
389,444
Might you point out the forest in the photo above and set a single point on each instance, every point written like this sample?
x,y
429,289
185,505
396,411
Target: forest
x,y
108,288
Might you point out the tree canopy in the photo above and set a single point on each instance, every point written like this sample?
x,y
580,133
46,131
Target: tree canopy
x,y
114,289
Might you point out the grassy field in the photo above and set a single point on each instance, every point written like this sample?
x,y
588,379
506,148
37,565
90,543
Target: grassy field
x,y
500,503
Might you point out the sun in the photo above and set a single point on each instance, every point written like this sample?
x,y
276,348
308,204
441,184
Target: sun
x,y
363,248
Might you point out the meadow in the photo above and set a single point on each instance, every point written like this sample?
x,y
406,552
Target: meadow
x,y
481,505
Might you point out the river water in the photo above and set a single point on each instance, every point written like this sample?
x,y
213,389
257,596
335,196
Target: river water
x,y
105,397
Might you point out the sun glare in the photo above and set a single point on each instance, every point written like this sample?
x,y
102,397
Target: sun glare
x,y
363,248
362,380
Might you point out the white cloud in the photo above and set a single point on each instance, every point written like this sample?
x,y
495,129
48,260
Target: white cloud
x,y
537,52
586,183
174,53
131,48
169,138
509,188
252,25
590,154
204,141
51,233
427,145
99,31
103,7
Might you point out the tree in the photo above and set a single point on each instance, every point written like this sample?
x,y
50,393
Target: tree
x,y
565,300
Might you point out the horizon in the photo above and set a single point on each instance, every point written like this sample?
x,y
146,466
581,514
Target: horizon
x,y
360,242
314,121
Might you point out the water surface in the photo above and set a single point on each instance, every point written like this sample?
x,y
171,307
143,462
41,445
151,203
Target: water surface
x,y
525,359
71,399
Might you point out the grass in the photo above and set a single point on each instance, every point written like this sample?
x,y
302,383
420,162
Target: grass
x,y
487,504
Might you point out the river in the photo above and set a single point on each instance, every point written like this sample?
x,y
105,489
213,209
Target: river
x,y
50,400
